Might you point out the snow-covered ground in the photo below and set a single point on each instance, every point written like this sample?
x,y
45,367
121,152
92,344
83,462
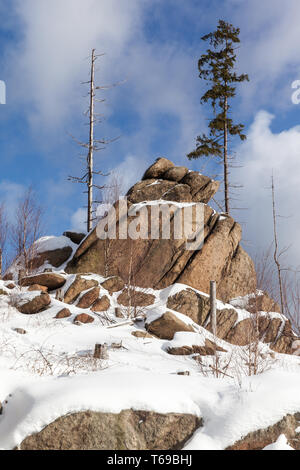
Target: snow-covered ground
x,y
50,371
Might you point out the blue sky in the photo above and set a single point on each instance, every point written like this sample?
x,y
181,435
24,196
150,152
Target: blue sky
x,y
154,45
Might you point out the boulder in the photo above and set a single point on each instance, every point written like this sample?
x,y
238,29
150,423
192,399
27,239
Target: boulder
x,y
127,430
176,184
167,325
272,330
261,302
263,325
264,303
135,298
284,344
179,193
141,334
258,440
35,305
190,303
50,280
176,173
64,313
54,257
243,333
79,285
202,187
159,167
37,287
226,319
75,237
83,318
208,349
88,298
113,284
239,277
223,260
101,305
150,190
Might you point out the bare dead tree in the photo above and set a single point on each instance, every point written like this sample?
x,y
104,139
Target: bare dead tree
x,y
265,272
278,278
291,296
114,189
26,229
93,145
3,234
277,254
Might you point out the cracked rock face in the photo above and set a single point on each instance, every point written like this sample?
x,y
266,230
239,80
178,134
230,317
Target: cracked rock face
x,y
158,263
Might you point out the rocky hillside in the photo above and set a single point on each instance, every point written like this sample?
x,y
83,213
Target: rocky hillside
x,y
68,330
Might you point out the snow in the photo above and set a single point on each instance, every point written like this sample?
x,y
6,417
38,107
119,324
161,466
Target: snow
x,y
254,406
280,444
229,413
49,372
185,338
243,301
42,245
180,205
50,243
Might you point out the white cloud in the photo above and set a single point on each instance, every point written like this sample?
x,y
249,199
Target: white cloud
x,y
269,51
265,152
78,220
162,78
10,194
57,37
131,170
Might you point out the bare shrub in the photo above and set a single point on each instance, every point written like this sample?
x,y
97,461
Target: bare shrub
x,y
42,361
26,229
217,366
290,285
291,295
266,273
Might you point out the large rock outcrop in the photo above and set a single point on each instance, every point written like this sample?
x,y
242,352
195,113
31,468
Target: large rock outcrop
x,y
158,263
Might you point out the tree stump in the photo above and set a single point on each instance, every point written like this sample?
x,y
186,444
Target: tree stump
x,y
101,351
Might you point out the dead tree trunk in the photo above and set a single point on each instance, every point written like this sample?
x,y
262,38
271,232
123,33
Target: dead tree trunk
x,y
91,145
213,307
276,254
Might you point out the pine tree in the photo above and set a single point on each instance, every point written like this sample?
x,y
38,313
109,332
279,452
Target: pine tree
x,y
217,67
